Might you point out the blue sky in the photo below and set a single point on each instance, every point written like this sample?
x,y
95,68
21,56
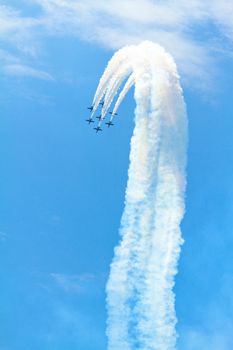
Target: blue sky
x,y
62,186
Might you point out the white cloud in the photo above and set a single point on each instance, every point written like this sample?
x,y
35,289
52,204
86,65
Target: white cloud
x,y
17,30
190,30
173,24
19,35
12,65
26,71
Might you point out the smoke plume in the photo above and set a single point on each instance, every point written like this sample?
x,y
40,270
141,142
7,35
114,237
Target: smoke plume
x,y
140,297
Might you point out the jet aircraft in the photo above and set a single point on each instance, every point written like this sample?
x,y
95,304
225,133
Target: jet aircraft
x,y
109,123
99,117
101,103
90,108
90,120
98,128
113,113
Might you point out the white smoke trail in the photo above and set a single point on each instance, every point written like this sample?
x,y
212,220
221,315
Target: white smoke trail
x,y
123,93
114,85
114,64
140,300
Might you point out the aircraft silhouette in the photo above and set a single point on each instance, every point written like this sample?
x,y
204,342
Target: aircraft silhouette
x,y
109,123
98,128
90,120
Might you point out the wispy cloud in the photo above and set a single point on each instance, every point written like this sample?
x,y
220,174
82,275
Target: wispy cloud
x,y
19,37
71,298
214,328
26,71
77,283
181,27
191,31
216,339
18,30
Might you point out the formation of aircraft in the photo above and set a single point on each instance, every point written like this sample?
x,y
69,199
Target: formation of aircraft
x,y
100,117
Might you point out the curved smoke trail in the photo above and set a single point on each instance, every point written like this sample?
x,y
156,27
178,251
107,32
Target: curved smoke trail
x,y
140,300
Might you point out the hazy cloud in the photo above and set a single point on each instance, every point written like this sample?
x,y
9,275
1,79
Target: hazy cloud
x,y
3,236
182,27
217,339
19,36
215,325
77,283
191,30
26,71
18,30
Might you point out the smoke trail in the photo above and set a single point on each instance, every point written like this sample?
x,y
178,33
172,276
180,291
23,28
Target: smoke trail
x,y
124,91
140,300
114,64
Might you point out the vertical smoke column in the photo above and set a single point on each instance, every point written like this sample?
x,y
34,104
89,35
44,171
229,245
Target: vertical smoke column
x,y
140,300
